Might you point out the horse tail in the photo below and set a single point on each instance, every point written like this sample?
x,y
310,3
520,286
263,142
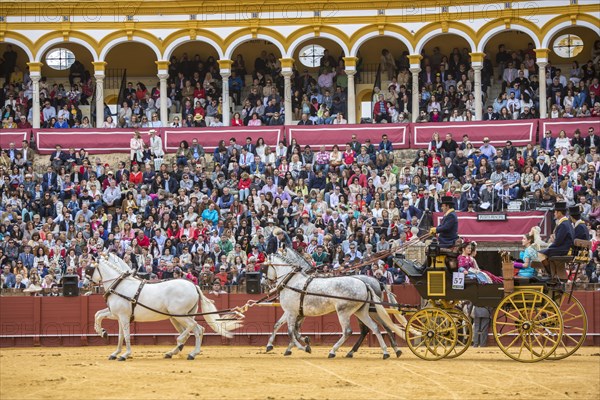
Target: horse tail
x,y
385,318
223,328
399,317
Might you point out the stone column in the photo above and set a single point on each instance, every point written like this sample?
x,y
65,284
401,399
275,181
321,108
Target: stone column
x,y
99,67
477,64
287,67
225,70
350,70
542,62
35,73
415,69
163,75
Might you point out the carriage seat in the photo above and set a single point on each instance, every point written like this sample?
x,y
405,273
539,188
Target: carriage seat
x,y
521,280
562,259
449,252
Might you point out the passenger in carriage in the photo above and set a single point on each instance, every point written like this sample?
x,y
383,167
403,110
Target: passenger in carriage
x,y
529,255
447,230
468,265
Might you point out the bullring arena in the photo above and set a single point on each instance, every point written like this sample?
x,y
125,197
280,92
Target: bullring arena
x,y
265,200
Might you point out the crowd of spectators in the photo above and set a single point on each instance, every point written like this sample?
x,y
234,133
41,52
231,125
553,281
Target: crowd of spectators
x,y
194,94
447,92
214,217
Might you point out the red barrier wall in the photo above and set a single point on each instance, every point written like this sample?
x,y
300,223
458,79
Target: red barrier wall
x,y
520,133
569,126
511,230
329,135
209,137
403,136
13,135
69,321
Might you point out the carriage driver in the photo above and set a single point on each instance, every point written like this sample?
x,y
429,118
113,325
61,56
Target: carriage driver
x,y
447,230
562,240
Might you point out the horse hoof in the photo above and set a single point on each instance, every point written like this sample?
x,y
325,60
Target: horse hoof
x,y
269,348
331,355
386,356
306,340
180,347
122,358
308,349
104,334
168,355
398,353
111,357
191,357
349,355
287,353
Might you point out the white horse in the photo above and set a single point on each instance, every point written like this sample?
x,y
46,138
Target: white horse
x,y
174,299
293,258
291,282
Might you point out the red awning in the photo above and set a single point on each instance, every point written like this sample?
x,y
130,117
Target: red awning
x,y
511,230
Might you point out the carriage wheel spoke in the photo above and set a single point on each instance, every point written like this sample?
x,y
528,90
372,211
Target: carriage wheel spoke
x,y
508,333
516,308
520,335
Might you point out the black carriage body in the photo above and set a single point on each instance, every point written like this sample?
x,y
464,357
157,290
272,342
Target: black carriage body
x,y
436,284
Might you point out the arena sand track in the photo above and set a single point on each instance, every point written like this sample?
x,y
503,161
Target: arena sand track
x,y
249,373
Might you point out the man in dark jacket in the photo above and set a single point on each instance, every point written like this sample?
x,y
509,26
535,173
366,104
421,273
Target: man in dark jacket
x,y
447,230
561,243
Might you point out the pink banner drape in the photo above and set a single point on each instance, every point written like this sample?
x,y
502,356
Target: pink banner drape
x,y
512,230
95,141
519,132
569,126
329,135
13,135
209,137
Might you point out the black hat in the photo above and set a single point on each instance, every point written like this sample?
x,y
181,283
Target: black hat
x,y
560,206
448,200
575,212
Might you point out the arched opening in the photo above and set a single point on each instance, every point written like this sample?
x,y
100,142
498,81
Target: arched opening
x,y
13,68
446,80
390,56
370,53
256,63
130,76
12,56
511,56
67,73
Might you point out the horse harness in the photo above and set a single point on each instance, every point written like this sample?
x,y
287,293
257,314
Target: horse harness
x,y
133,300
302,294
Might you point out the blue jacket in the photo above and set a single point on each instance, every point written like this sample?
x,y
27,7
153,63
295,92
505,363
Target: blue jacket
x,y
563,240
581,232
447,230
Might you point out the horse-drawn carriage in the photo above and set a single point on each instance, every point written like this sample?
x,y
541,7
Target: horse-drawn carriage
x,y
534,318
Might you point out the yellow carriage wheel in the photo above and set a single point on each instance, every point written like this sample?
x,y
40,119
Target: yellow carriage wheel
x,y
431,334
464,328
528,326
575,325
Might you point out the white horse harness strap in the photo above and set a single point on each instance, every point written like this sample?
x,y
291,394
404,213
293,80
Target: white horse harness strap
x,y
302,294
134,301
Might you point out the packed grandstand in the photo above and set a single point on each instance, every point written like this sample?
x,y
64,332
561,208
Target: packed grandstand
x,y
208,215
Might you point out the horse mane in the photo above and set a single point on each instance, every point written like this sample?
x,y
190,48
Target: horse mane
x,y
116,263
293,258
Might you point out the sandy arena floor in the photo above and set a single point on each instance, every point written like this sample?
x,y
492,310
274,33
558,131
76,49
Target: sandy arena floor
x,y
249,373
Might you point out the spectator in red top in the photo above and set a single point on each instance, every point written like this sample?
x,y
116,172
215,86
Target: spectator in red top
x,y
237,120
136,175
142,240
348,157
